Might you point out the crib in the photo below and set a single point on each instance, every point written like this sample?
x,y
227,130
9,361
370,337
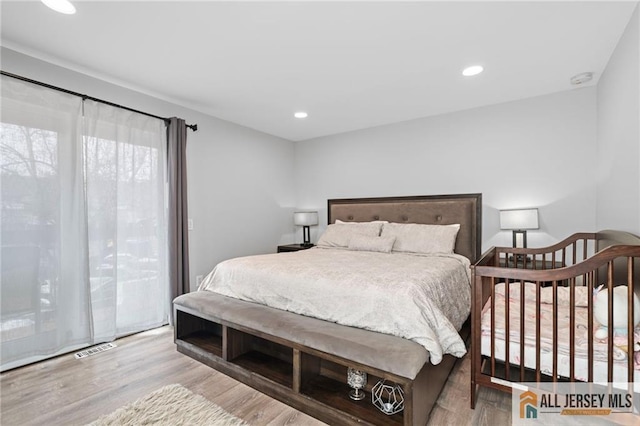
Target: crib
x,y
533,317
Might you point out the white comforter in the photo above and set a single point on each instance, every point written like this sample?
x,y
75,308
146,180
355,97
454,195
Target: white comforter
x,y
422,298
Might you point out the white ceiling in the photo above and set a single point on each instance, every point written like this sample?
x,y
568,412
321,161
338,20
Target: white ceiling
x,y
350,65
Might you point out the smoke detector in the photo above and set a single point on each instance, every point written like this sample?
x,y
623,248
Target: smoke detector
x,y
581,78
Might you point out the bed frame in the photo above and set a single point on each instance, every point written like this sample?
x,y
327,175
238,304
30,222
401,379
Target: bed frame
x,y
590,259
303,361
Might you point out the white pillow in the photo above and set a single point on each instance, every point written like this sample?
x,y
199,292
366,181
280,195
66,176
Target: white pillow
x,y
339,234
417,238
367,243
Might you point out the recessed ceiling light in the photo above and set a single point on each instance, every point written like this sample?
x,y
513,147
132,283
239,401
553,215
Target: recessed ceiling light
x,y
300,114
473,70
62,6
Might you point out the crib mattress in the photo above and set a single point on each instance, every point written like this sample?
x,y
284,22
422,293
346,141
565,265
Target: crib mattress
x,y
620,364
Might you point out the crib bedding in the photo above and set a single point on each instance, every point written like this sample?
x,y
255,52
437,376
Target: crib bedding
x,y
600,348
424,298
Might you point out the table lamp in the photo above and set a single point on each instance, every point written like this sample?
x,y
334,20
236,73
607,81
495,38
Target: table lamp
x,y
305,219
519,221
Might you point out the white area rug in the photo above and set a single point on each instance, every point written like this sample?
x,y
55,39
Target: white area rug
x,y
170,405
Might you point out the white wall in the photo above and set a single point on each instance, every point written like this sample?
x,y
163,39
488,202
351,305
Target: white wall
x,y
536,152
618,165
544,152
241,193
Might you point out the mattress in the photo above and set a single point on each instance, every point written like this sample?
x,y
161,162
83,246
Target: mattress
x,y
600,363
423,298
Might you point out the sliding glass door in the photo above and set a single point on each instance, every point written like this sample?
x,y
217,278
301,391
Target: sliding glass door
x,y
83,223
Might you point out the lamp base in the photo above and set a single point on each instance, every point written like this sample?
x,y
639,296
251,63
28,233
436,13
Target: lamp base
x,y
306,238
519,238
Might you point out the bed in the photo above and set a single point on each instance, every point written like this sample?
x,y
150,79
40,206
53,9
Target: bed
x,y
291,324
550,301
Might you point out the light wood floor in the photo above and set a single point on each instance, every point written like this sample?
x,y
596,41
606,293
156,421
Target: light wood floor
x,y
66,391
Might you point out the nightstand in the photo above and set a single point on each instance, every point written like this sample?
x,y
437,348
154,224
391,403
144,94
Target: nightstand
x,y
548,264
538,265
293,247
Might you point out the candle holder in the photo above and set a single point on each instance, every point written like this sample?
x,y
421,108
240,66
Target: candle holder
x,y
357,379
387,398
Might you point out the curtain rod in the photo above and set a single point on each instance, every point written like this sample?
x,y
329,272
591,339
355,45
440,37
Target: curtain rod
x,y
193,127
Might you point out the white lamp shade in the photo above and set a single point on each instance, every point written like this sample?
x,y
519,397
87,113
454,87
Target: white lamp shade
x,y
305,218
519,219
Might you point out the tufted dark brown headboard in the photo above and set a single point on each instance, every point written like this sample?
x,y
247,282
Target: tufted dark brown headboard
x,y
465,209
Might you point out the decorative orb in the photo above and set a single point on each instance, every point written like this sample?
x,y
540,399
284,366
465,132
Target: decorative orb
x,y
388,398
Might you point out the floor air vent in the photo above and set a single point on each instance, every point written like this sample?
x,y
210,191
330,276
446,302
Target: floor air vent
x,y
95,350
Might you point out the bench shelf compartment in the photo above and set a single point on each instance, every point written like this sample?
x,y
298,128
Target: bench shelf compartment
x,y
305,378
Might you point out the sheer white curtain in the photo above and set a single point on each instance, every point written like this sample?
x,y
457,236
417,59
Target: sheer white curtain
x,y
125,178
83,223
44,260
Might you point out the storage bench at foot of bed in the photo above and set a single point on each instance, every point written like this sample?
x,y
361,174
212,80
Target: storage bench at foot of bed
x,y
303,361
